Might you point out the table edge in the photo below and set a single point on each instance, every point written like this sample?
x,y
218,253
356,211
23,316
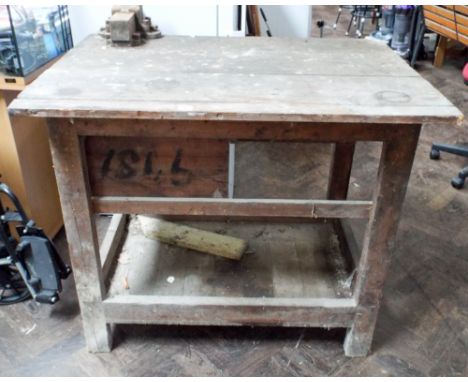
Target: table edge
x,y
455,118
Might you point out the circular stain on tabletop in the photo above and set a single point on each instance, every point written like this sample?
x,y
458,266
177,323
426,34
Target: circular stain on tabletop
x,y
392,96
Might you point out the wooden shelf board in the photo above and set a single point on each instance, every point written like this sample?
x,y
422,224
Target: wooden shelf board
x,y
302,261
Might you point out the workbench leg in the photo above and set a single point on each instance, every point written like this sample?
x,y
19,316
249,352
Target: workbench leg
x,y
394,171
340,171
81,233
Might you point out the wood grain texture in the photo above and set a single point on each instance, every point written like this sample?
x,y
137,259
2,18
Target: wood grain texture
x,y
192,238
283,261
81,234
111,243
440,50
340,171
463,9
180,77
249,208
394,171
235,130
456,22
229,311
121,166
446,32
430,10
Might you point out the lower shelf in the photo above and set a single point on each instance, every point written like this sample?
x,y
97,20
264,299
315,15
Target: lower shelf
x,y
291,275
282,260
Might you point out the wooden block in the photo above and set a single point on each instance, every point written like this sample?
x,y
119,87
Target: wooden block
x,y
192,238
120,166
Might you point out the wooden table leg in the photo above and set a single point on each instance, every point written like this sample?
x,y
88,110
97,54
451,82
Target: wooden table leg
x,y
340,170
81,234
394,171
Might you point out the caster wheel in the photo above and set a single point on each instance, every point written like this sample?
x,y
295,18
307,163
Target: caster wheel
x,y
435,154
458,182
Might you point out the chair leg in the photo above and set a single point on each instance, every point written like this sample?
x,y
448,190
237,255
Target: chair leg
x,y
459,181
350,23
360,30
452,149
338,17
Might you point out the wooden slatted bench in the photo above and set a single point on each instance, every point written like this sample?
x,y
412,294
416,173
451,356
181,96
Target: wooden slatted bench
x,y
450,22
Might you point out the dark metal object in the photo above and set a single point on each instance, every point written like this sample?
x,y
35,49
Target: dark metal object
x,y
418,29
459,180
360,14
268,32
320,25
16,64
66,30
340,10
30,266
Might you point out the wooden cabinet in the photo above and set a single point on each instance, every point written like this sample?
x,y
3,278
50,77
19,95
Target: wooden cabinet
x,y
25,159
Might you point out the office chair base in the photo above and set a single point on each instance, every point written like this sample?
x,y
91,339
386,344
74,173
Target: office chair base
x,y
457,182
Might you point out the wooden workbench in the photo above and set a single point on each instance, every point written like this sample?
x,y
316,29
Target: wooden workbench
x,y
148,130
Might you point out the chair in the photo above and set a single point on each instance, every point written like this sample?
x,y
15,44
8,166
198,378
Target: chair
x,y
448,21
459,180
340,9
360,14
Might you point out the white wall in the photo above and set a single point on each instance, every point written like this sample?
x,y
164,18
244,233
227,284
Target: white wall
x,y
171,20
287,20
209,20
86,20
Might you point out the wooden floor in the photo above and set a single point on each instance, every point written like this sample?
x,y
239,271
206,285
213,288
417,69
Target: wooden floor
x,y
423,324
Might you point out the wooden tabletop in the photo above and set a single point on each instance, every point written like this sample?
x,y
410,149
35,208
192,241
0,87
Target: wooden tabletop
x,y
255,78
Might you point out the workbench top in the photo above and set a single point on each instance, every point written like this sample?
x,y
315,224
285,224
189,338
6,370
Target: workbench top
x,y
255,78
